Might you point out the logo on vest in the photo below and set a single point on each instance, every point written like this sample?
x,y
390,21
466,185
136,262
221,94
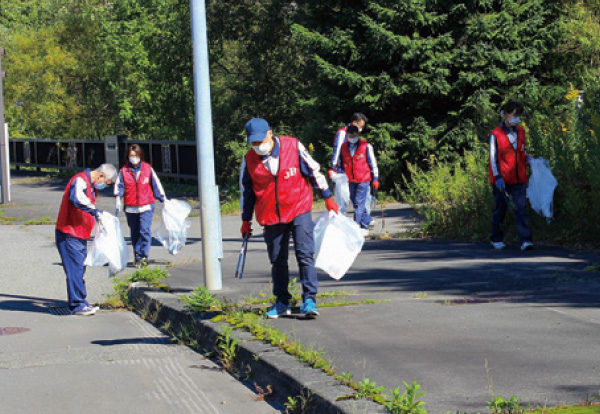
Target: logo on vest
x,y
290,173
146,180
358,157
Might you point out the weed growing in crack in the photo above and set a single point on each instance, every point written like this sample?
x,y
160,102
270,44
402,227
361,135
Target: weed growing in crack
x,y
226,349
200,300
262,393
153,277
500,405
368,389
407,402
299,404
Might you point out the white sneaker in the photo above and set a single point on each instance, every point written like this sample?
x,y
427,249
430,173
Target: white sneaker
x,y
527,246
365,232
498,245
372,223
85,311
94,308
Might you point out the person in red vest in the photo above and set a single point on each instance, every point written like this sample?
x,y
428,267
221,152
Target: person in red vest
x,y
275,181
359,120
358,161
139,187
508,175
76,218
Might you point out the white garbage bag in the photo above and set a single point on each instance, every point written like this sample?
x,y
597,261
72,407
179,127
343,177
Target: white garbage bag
x,y
174,225
109,245
341,191
370,203
540,190
338,240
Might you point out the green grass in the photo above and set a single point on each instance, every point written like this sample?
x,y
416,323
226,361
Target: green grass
x,y
365,301
230,206
152,276
577,409
39,221
6,220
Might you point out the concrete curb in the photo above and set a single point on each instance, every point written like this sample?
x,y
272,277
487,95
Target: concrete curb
x,y
265,364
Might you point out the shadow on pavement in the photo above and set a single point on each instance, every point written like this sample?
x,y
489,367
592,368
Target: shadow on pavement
x,y
141,340
30,304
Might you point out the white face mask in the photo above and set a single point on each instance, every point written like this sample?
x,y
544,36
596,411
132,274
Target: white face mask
x,y
262,149
353,140
515,121
134,160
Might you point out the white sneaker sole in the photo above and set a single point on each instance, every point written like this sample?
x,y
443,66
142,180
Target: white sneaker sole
x,y
286,313
311,315
86,313
498,246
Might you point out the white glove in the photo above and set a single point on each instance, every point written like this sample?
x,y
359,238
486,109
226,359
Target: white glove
x,y
117,205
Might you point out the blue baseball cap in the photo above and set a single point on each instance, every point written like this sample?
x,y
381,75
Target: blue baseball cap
x,y
256,130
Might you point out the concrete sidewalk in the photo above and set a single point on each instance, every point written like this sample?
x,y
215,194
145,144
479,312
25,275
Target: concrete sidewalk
x,y
533,316
113,362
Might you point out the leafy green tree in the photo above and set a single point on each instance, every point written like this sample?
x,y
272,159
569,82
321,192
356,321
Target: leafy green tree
x,y
38,71
54,68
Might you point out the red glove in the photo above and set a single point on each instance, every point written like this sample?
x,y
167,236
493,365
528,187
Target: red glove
x,y
331,204
376,185
331,173
246,229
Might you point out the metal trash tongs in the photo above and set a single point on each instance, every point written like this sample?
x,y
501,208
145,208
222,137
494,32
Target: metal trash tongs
x,y
242,259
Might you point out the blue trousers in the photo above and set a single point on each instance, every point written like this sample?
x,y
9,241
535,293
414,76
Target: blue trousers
x,y
277,237
358,196
140,225
519,199
72,252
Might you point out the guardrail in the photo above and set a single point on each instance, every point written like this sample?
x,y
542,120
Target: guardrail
x,y
175,159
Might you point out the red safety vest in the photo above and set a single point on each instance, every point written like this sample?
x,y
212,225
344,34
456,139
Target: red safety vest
x,y
356,166
512,162
138,192
72,220
283,197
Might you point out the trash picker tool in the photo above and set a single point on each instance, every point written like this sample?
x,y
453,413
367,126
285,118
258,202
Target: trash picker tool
x,y
239,271
508,200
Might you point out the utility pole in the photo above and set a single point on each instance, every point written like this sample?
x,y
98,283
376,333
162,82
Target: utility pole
x,y
210,214
4,159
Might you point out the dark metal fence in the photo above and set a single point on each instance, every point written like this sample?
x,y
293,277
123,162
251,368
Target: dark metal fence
x,y
177,159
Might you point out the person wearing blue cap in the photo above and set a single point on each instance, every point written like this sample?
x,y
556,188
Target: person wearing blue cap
x,y
275,181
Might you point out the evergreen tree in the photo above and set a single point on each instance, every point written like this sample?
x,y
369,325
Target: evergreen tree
x,y
430,74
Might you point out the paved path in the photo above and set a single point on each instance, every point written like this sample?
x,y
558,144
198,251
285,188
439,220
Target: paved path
x,y
113,362
533,316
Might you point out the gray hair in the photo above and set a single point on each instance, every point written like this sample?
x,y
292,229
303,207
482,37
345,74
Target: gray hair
x,y
109,171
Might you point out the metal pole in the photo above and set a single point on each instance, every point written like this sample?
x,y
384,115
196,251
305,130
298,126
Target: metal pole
x,y
210,215
4,159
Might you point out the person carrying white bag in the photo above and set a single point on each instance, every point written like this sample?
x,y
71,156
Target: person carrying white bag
x,y
76,218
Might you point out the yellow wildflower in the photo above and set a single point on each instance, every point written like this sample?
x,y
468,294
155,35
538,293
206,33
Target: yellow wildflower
x,y
572,94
